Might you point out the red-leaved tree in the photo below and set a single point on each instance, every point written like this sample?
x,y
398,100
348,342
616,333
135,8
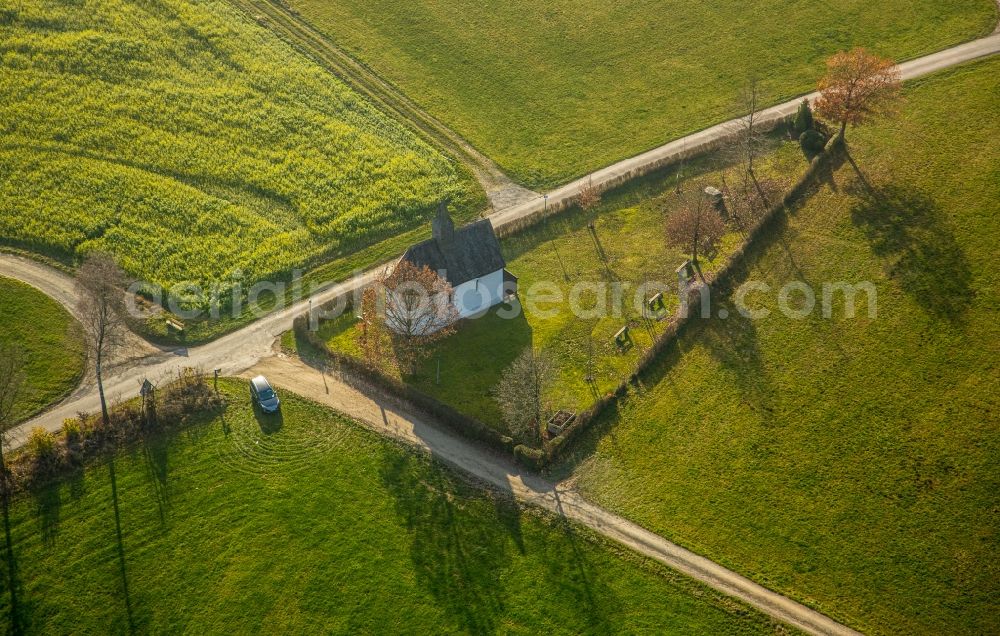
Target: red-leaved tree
x,y
857,87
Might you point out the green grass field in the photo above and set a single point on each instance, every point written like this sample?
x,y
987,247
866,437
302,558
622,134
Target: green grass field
x,y
630,230
554,90
48,337
312,524
848,462
197,146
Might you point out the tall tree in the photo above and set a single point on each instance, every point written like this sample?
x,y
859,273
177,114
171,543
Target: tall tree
x,y
750,138
695,226
11,384
857,87
520,394
100,310
418,310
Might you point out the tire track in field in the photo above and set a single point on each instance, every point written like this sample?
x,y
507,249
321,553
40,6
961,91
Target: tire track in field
x,y
271,14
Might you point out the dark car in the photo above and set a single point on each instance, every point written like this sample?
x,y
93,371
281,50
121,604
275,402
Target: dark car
x,y
263,395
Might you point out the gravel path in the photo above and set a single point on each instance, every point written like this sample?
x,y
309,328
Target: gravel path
x,y
48,280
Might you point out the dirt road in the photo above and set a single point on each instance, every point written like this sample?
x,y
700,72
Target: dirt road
x,y
60,287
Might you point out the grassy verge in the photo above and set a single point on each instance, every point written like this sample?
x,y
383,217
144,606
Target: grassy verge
x,y
49,337
554,90
308,523
848,462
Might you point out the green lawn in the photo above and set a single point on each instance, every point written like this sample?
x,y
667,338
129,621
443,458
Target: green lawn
x,y
629,227
312,524
50,341
552,90
851,463
197,146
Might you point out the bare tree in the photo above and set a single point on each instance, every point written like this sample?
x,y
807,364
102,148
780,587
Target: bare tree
x,y
418,310
857,87
695,226
520,394
590,196
745,205
100,310
750,138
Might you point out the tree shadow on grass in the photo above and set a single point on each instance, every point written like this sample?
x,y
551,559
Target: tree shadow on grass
x,y
16,605
734,345
120,544
908,228
467,381
459,553
155,448
508,512
48,504
574,582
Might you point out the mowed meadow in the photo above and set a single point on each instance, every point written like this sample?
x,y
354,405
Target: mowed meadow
x,y
552,90
195,145
48,339
847,462
307,523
